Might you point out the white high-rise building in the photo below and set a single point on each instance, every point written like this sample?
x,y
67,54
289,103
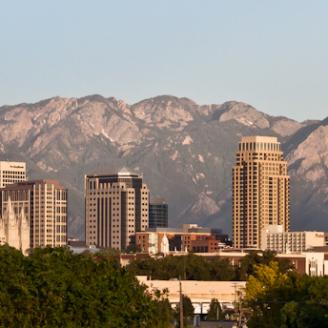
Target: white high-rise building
x,y
15,229
12,172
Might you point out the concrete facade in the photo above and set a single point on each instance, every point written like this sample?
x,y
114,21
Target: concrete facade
x,y
275,239
12,172
116,207
200,292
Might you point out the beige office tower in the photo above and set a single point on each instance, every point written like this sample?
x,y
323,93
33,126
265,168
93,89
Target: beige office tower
x,y
12,172
116,206
44,203
260,190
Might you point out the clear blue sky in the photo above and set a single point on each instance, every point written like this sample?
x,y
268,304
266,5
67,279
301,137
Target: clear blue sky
x,y
271,54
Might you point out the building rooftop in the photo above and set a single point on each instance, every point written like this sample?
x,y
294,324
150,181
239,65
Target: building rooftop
x,y
15,165
29,184
266,139
158,201
315,249
113,175
199,230
197,290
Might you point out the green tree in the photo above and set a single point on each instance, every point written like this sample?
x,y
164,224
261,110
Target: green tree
x,y
16,303
215,311
221,269
254,258
278,299
164,309
55,288
261,293
196,268
188,311
266,278
191,267
132,248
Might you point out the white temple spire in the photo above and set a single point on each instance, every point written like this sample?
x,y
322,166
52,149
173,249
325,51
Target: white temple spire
x,y
24,232
15,228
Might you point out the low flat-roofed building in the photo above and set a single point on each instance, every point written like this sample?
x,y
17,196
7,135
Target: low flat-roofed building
x,y
275,239
191,238
200,292
326,238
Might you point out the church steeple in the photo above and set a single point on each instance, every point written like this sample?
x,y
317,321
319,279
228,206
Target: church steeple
x,y
24,233
12,226
15,228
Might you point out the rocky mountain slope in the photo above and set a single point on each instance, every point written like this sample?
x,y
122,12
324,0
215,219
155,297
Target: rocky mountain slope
x,y
184,151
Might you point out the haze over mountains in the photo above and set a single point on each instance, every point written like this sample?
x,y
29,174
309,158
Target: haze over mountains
x,y
184,151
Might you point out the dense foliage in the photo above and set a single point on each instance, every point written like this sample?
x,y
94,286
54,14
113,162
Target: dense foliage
x,y
286,300
194,267
54,288
253,259
215,311
188,312
190,267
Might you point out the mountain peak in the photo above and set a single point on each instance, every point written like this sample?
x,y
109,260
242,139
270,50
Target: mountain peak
x,y
243,113
184,151
167,100
165,111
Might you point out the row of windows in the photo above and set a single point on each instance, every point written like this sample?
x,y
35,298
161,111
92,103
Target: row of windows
x,y
62,229
13,172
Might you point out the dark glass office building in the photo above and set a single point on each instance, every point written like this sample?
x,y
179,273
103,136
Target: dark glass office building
x,y
158,213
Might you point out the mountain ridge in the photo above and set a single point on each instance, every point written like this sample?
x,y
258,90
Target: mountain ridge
x,y
184,150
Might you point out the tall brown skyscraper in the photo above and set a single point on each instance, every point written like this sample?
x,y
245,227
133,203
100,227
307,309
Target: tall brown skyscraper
x,y
116,206
260,190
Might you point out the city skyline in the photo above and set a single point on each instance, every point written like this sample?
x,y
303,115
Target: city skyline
x,y
260,168
164,163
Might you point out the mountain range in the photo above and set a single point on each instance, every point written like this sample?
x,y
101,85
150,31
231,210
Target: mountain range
x,y
184,151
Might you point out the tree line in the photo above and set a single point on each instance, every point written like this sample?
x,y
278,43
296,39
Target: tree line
x,y
55,288
194,267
